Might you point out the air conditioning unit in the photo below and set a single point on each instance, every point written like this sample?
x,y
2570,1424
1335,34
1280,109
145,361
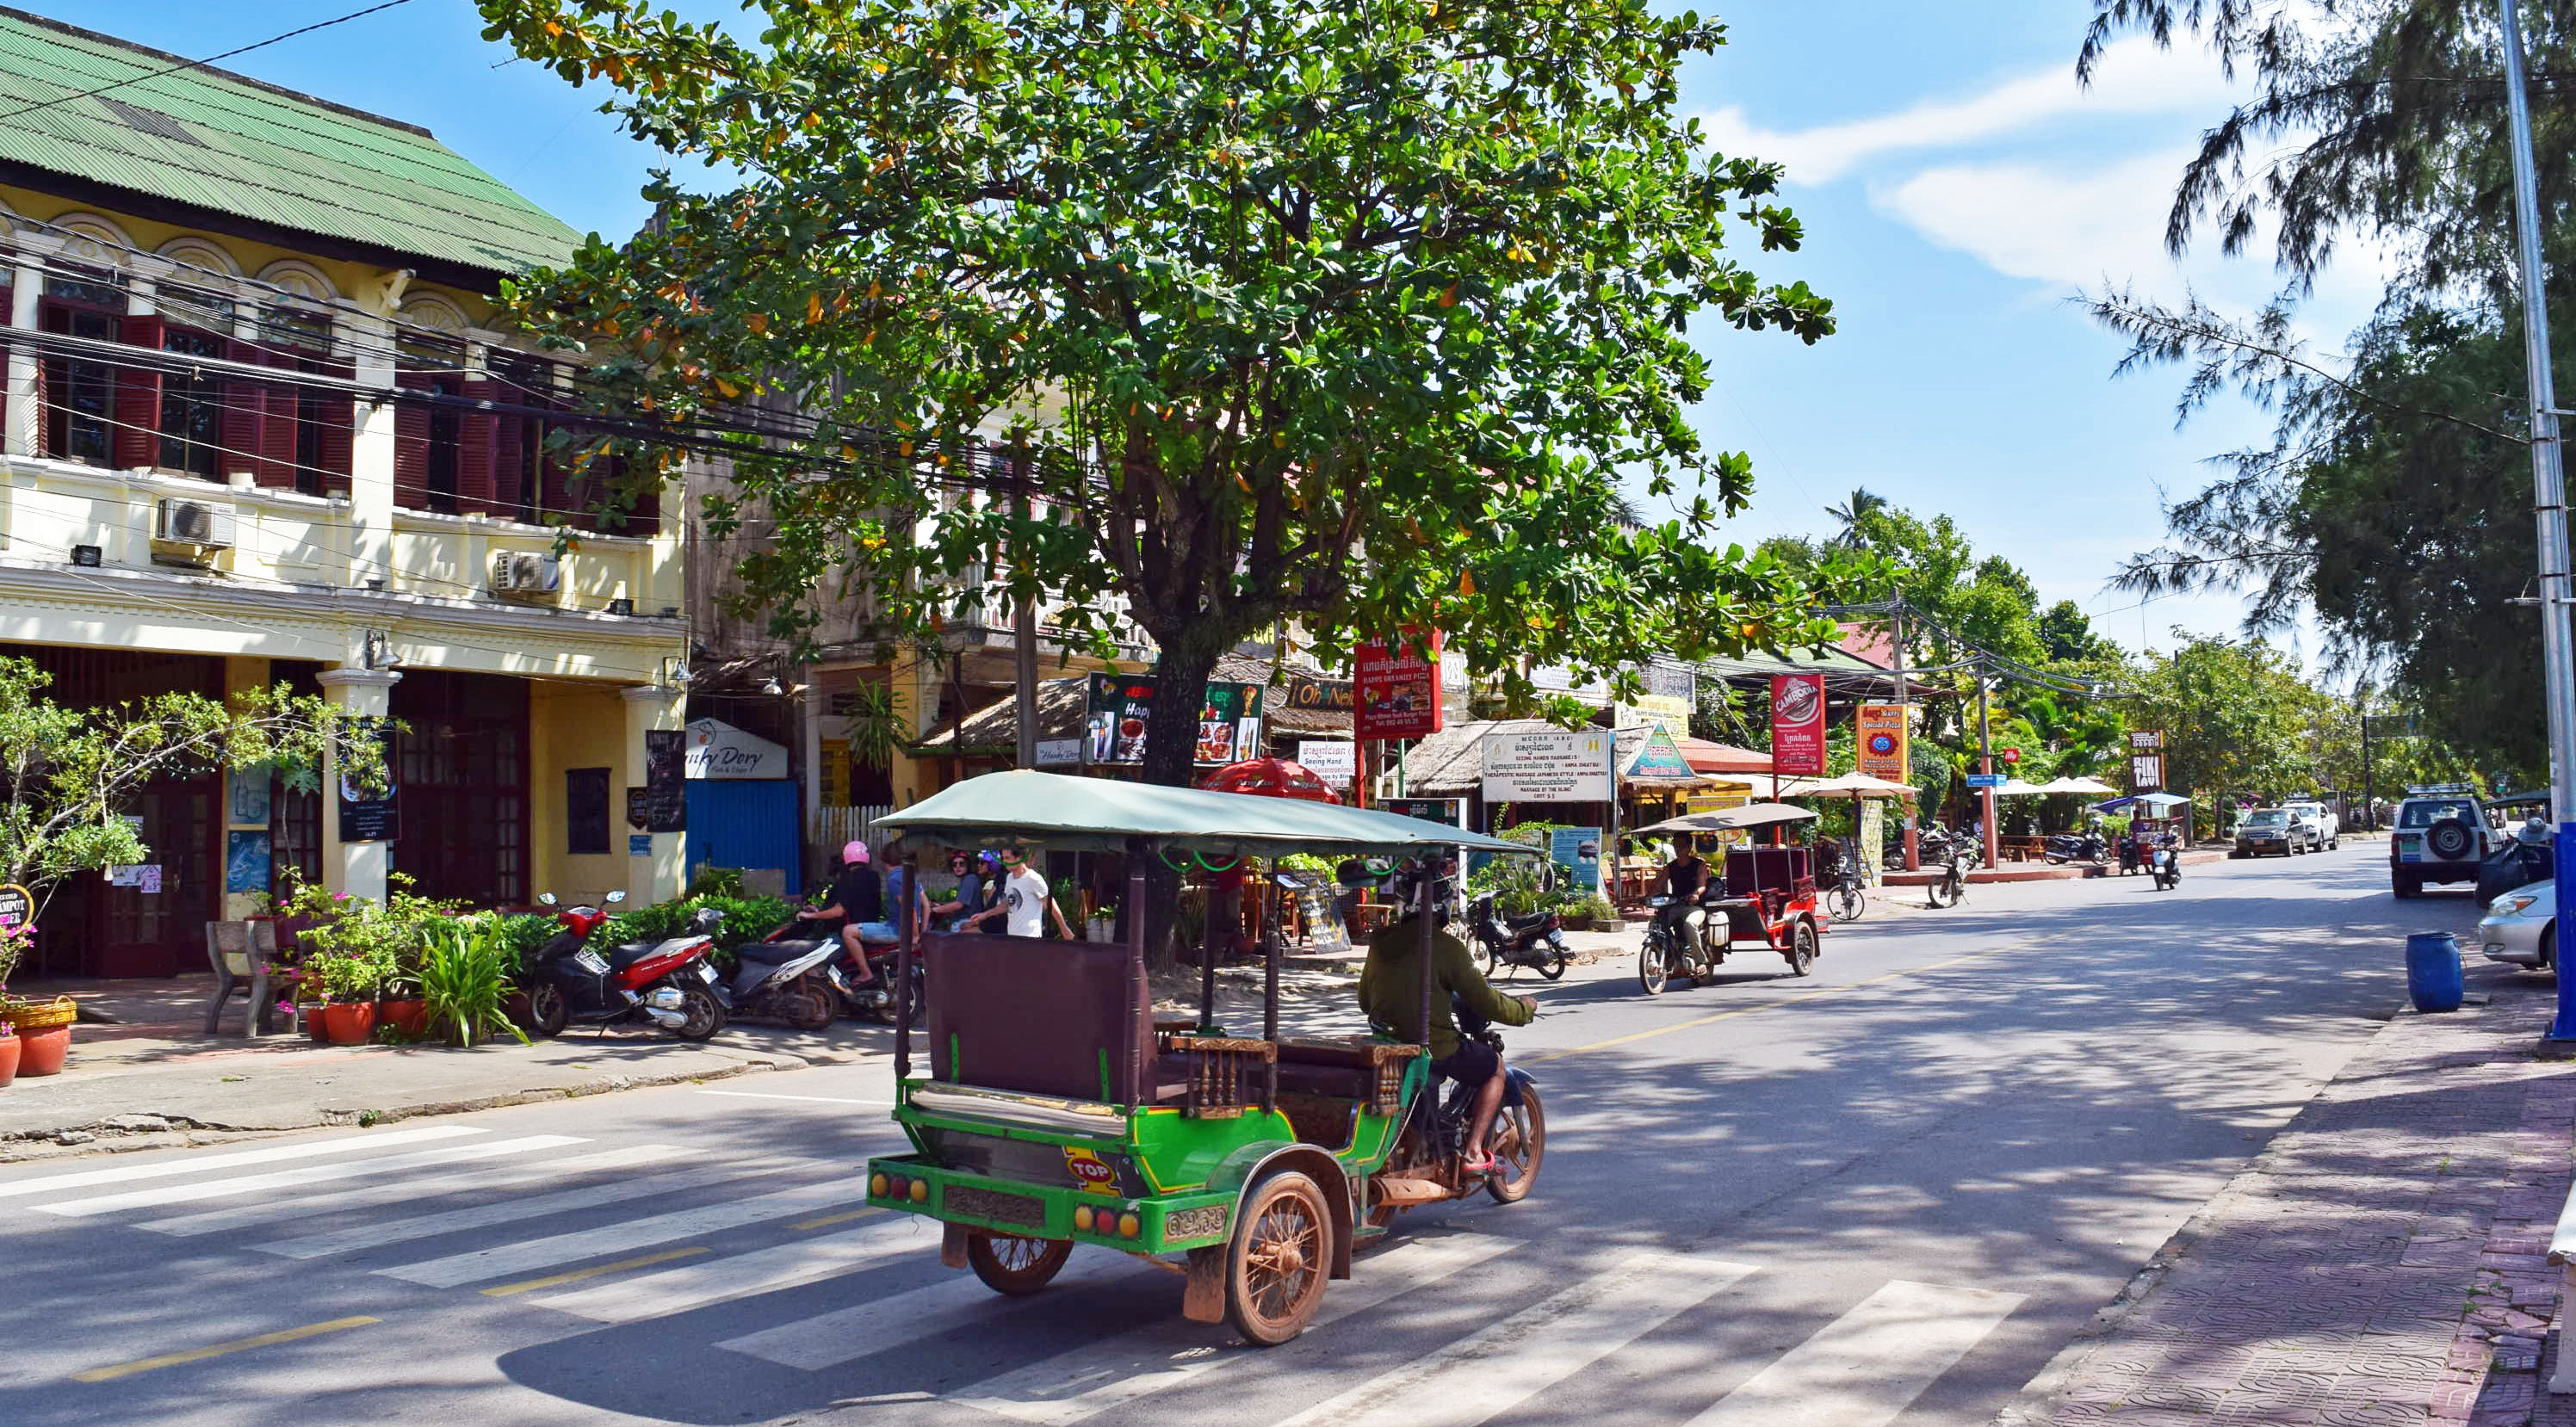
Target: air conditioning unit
x,y
194,522
525,575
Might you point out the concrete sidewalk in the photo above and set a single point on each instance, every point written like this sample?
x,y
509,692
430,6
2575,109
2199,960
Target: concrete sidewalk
x,y
2381,1261
150,1076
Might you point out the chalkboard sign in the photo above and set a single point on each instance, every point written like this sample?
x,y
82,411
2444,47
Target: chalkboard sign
x,y
666,793
1324,929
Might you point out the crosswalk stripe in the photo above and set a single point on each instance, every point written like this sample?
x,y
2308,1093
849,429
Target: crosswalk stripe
x,y
745,1275
1865,1367
1492,1370
302,1174
269,1210
453,1270
866,1329
200,1164
558,1280
511,1211
1076,1385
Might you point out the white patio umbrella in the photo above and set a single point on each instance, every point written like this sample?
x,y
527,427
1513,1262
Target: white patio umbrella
x,y
1848,785
2016,788
2089,787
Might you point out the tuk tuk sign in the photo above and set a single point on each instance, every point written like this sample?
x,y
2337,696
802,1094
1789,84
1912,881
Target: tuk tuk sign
x,y
1881,749
1548,766
1798,725
1397,686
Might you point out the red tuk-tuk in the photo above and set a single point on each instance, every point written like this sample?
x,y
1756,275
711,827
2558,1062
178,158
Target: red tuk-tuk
x,y
1768,895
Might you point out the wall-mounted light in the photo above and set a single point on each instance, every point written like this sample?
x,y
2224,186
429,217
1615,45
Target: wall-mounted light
x,y
621,605
88,557
379,651
670,611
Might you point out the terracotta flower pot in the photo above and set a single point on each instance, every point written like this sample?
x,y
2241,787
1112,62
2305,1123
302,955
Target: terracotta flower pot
x,y
349,1023
8,1058
42,1052
409,1017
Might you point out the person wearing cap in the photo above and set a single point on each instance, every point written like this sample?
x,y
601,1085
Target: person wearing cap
x,y
1023,903
976,873
857,905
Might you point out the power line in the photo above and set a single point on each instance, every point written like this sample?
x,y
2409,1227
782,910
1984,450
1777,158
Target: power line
x,y
202,63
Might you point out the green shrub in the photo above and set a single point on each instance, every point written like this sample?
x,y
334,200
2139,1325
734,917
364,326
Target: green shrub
x,y
713,881
465,978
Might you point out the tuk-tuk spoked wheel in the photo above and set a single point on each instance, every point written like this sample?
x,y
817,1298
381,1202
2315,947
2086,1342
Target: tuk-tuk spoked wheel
x,y
1519,1144
1802,947
1279,1259
1014,1265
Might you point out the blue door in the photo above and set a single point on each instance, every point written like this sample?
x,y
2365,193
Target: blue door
x,y
746,823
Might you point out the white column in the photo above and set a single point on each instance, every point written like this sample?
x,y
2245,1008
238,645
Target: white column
x,y
368,342
24,422
661,873
357,868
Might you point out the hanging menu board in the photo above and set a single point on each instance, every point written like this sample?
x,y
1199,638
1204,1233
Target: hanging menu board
x,y
1323,920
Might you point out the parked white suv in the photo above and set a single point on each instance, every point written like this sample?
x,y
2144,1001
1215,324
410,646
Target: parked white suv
x,y
2324,828
2441,835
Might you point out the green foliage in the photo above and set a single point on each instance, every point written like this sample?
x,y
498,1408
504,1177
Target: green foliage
x,y
521,936
745,919
2235,715
465,978
68,774
1345,313
714,881
359,948
1520,885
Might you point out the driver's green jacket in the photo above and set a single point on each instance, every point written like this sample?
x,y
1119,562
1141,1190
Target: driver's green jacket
x,y
1391,985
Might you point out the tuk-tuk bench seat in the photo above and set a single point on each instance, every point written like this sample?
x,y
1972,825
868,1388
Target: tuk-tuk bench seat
x,y
1366,1069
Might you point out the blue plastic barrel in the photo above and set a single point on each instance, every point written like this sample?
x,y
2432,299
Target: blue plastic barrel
x,y
2433,971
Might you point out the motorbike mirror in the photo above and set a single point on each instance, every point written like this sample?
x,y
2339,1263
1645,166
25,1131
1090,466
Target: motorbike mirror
x,y
616,897
545,899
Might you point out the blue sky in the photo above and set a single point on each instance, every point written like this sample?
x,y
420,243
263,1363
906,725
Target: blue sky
x,y
1956,185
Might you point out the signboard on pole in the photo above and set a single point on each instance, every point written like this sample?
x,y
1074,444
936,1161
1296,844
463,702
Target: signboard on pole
x,y
1881,750
1578,851
1987,780
2146,760
1430,810
1397,685
1336,761
1548,766
1117,708
1798,725
1659,757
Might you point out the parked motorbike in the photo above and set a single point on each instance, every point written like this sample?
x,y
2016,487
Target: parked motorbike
x,y
782,977
667,983
1536,941
2133,855
2075,847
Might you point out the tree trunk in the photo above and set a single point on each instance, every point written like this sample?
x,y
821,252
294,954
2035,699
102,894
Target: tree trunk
x,y
1171,757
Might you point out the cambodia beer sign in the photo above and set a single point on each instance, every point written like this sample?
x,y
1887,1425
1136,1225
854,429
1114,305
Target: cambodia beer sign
x,y
1798,725
1880,749
1397,686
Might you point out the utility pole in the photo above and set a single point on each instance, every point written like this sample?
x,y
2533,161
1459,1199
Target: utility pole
x,y
2369,801
2549,498
1986,765
1904,703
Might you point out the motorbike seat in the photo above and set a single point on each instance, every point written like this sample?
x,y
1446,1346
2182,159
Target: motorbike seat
x,y
775,953
635,951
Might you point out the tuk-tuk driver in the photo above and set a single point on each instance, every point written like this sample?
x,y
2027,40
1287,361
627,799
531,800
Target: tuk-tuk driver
x,y
1390,991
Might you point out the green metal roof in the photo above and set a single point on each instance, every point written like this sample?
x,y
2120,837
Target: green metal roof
x,y
233,145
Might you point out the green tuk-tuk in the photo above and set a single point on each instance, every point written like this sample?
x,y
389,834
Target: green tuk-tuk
x,y
1059,1111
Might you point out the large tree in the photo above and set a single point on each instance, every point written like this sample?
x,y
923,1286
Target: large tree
x,y
1343,315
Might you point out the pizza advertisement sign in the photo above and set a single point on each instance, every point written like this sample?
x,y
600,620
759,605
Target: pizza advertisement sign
x,y
1880,750
1397,684
1798,725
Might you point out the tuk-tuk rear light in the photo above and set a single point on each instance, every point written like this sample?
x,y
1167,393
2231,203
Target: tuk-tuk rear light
x,y
1082,1217
877,1185
918,1191
1129,1226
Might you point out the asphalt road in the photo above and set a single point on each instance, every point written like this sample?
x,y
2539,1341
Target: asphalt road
x,y
1886,1193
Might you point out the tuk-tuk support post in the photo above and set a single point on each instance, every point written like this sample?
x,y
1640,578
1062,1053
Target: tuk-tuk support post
x,y
905,950
1424,887
1270,994
1132,1049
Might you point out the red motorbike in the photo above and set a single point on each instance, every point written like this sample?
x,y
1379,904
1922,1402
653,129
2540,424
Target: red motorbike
x,y
667,983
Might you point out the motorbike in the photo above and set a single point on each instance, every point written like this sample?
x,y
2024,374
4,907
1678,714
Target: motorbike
x,y
2066,847
2164,864
1428,1159
873,997
1536,941
667,983
783,977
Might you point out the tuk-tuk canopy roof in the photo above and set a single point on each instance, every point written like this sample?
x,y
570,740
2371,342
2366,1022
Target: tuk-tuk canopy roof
x,y
1059,810
1729,819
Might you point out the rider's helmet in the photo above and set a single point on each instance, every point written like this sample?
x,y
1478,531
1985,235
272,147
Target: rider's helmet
x,y
1413,883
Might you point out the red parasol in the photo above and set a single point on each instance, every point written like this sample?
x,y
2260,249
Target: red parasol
x,y
1271,778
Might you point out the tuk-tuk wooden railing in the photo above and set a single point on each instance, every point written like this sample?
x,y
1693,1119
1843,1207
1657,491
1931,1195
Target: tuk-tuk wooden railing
x,y
1218,1072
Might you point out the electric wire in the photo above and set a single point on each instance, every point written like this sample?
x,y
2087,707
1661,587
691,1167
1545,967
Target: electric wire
x,y
202,63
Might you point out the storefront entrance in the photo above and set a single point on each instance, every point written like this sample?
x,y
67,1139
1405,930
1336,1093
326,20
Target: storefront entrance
x,y
461,764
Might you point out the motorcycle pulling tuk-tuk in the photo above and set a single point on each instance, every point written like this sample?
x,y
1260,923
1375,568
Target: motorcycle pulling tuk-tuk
x,y
1767,896
1058,1110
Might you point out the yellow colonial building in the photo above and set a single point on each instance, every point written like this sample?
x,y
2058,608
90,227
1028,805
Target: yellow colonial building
x,y
260,427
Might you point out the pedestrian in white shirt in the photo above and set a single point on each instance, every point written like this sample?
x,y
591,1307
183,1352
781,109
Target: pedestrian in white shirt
x,y
1025,903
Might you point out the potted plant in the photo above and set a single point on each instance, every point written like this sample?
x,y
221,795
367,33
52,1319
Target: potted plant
x,y
465,980
43,1033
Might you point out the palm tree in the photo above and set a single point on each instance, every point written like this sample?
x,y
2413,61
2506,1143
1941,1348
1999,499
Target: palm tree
x,y
1859,506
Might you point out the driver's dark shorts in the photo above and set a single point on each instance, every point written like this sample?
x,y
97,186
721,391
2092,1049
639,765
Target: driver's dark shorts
x,y
1472,1063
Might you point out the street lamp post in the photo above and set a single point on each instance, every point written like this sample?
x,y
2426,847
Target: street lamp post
x,y
2549,494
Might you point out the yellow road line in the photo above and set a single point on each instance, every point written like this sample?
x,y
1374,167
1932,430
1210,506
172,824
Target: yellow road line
x,y
217,1350
830,1219
577,1275
1768,1005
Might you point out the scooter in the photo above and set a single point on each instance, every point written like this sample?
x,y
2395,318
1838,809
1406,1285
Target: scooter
x,y
2164,864
2075,847
668,983
1426,1166
782,977
1536,941
873,997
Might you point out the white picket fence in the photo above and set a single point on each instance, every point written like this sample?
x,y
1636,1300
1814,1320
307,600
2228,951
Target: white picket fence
x,y
827,830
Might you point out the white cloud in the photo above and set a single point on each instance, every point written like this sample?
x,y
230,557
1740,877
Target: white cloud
x,y
2135,77
2023,220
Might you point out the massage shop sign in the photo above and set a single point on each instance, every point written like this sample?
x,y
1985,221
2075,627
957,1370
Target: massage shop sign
x,y
1548,766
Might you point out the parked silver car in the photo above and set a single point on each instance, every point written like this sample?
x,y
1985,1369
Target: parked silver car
x,y
2521,928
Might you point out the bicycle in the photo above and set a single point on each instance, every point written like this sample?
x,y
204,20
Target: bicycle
x,y
1845,896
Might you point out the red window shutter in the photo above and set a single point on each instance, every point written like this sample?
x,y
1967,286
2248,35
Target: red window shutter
x,y
476,437
245,417
645,516
277,437
339,430
138,400
509,463
411,445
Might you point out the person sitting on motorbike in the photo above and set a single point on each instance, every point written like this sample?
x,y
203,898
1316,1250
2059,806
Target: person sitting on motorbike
x,y
975,874
1688,880
1390,992
856,904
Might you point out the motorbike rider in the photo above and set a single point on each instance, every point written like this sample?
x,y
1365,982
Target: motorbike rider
x,y
975,874
1390,991
1686,881
857,906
